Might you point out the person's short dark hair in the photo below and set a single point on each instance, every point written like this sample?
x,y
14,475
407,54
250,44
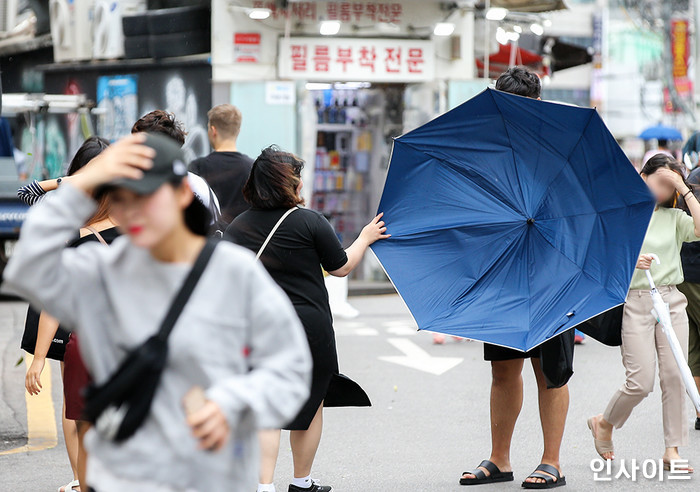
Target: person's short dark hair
x,y
163,123
90,149
520,81
664,161
274,179
662,142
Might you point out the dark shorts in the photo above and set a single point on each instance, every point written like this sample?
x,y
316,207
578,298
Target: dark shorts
x,y
496,352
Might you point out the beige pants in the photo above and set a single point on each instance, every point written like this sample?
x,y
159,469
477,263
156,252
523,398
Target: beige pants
x,y
643,343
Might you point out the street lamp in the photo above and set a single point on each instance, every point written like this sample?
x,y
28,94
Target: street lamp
x,y
259,13
537,29
444,29
329,28
496,13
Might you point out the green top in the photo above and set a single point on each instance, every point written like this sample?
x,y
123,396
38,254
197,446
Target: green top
x,y
668,230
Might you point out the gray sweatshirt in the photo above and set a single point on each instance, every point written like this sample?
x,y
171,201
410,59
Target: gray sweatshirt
x,y
115,298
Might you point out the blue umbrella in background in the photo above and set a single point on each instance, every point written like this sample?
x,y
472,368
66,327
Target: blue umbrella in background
x,y
661,132
512,220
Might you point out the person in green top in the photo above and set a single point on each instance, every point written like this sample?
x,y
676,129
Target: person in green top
x,y
643,342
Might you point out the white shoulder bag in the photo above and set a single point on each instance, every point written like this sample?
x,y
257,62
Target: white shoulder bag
x,y
272,232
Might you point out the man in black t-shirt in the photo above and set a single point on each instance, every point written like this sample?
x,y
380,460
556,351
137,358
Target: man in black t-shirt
x,y
226,170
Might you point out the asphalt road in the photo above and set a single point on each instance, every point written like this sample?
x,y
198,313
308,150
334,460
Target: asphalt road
x,y
428,422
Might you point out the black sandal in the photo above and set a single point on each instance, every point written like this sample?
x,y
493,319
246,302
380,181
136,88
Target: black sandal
x,y
549,481
480,477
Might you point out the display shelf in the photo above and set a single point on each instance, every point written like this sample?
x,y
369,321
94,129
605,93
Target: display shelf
x,y
335,127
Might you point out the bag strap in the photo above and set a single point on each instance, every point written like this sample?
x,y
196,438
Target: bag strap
x,y
272,232
186,290
97,235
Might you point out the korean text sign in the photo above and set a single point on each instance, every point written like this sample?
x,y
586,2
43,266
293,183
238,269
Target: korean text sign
x,y
356,59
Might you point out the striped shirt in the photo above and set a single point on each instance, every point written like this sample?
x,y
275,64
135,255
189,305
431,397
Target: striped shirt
x,y
31,193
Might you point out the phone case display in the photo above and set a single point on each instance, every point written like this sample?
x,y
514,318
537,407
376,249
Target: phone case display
x,y
341,168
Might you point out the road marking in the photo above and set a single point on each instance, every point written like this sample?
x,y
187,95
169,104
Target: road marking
x,y
41,417
366,332
417,358
402,330
390,324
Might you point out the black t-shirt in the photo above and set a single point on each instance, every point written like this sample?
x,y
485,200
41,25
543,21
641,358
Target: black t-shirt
x,y
226,173
303,243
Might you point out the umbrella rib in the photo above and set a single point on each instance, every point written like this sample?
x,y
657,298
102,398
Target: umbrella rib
x,y
545,143
579,267
512,150
500,199
568,163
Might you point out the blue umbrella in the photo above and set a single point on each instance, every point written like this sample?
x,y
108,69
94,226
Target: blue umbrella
x,y
511,220
661,132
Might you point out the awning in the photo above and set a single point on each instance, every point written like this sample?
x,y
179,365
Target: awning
x,y
530,5
565,55
500,61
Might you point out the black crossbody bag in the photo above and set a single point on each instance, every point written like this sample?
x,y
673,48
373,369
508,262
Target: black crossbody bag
x,y
120,405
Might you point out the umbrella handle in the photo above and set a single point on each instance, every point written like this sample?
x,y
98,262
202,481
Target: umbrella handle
x,y
652,285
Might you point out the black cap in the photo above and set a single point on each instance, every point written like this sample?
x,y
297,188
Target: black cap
x,y
168,167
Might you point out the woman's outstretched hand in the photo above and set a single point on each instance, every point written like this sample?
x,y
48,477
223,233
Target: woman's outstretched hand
x,y
374,231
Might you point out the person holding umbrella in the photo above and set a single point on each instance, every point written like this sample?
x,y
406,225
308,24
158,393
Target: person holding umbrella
x,y
507,382
514,220
643,340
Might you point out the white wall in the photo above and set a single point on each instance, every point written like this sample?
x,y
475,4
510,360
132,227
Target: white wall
x,y
421,15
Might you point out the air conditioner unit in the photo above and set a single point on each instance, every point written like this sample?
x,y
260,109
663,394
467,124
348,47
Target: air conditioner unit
x,y
71,29
8,15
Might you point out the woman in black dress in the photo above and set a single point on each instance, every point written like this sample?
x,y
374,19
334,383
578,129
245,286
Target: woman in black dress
x,y
303,242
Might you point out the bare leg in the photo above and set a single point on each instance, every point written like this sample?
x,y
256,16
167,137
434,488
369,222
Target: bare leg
x,y
697,383
70,435
305,444
554,405
506,403
269,450
83,427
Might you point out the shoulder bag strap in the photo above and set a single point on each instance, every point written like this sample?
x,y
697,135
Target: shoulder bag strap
x,y
272,232
185,291
97,235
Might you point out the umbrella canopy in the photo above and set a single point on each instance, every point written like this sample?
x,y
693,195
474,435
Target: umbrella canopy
x,y
512,220
661,132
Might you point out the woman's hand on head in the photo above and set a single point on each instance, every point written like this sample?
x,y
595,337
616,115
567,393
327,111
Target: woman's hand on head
x,y
209,427
374,231
673,178
127,158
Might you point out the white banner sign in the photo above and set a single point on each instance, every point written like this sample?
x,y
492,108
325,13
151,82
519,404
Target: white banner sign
x,y
356,59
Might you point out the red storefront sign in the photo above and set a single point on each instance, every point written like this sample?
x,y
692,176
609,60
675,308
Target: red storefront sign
x,y
356,59
246,47
680,55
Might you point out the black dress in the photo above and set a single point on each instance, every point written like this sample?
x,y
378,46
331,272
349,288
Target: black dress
x,y
294,256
